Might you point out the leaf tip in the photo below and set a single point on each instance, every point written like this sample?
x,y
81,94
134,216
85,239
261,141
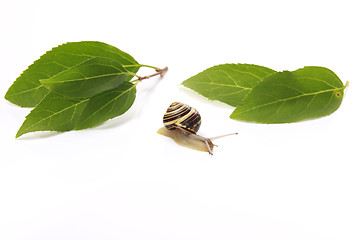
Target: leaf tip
x,y
22,130
18,134
233,115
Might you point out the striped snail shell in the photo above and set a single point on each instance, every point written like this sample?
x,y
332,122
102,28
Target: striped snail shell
x,y
182,122
179,115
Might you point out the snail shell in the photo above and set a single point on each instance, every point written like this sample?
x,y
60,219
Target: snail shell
x,y
179,115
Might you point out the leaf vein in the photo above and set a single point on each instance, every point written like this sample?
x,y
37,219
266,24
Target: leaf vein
x,y
319,80
25,91
111,101
56,113
290,98
89,78
224,85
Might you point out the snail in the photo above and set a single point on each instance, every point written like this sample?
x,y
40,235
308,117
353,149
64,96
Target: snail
x,y
181,123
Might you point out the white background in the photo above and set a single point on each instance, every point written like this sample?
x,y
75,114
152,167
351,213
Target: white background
x,y
122,180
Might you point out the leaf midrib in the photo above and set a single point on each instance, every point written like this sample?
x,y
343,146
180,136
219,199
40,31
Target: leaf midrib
x,y
25,91
224,85
290,98
112,100
86,60
84,78
56,113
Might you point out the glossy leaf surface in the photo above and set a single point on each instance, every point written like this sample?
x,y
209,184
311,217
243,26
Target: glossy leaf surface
x,y
58,113
87,79
27,91
53,113
285,97
107,105
228,83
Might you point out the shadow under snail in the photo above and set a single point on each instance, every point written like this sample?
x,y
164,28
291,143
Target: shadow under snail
x,y
181,123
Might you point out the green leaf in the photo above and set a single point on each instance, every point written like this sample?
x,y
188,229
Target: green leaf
x,y
107,105
58,113
53,113
228,83
87,79
27,91
285,97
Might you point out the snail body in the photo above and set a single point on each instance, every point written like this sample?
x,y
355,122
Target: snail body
x,y
187,140
181,123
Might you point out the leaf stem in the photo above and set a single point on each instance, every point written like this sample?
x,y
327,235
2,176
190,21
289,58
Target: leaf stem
x,y
133,74
346,84
159,71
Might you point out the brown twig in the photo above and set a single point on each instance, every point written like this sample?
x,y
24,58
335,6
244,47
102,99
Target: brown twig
x,y
159,71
